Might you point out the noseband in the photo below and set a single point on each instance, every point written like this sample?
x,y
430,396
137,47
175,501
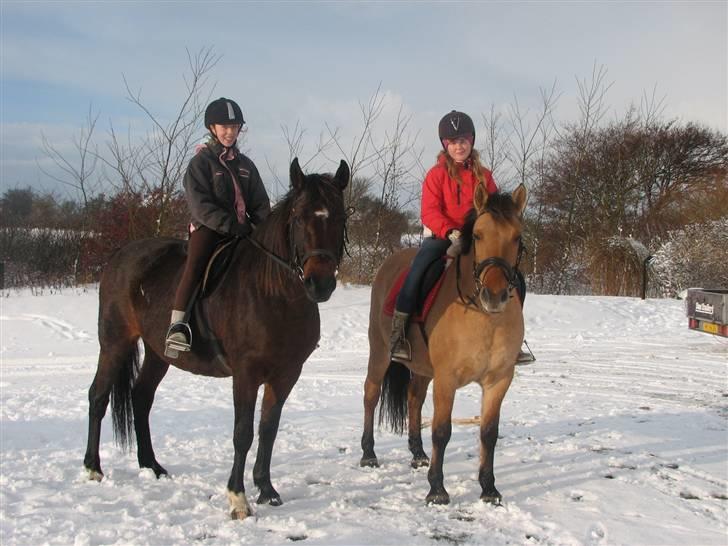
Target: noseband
x,y
509,272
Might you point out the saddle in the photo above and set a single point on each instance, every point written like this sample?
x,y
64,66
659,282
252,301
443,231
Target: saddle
x,y
429,288
195,316
216,267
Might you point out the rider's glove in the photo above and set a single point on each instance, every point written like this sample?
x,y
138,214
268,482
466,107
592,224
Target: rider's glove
x,y
456,243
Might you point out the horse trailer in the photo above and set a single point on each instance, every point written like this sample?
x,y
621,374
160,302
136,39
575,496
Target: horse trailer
x,y
708,310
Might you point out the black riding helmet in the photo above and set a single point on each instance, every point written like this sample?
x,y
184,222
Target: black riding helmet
x,y
455,125
224,112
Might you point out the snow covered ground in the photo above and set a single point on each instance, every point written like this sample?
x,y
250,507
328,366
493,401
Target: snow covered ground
x,y
617,435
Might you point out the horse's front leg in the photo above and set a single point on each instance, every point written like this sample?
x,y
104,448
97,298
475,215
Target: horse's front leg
x,y
275,396
416,393
493,395
444,395
244,394
372,392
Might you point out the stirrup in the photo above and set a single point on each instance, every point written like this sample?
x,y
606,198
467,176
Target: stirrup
x,y
401,351
524,357
179,338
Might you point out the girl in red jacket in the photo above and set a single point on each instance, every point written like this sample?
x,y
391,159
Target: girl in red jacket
x,y
447,197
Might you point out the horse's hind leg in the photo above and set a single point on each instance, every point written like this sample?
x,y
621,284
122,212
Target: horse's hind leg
x,y
276,394
114,360
489,419
416,393
152,372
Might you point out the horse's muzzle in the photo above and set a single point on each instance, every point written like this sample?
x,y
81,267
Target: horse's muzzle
x,y
319,287
493,302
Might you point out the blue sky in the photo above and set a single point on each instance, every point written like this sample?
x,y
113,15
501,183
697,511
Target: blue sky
x,y
314,62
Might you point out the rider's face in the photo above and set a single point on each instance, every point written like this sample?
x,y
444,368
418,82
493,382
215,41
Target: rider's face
x,y
459,148
226,134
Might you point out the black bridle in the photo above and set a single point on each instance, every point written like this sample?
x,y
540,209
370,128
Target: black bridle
x,y
510,272
296,262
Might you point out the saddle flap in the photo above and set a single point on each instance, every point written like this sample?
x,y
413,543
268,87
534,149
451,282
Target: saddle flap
x,y
217,266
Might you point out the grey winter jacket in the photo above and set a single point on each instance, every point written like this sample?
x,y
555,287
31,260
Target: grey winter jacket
x,y
211,196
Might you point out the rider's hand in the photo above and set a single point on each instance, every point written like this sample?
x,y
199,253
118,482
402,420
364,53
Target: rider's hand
x,y
456,243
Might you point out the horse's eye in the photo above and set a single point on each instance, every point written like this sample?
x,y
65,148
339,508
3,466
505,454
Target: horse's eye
x,y
476,236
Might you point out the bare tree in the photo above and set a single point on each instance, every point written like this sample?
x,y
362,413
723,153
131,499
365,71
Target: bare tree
x,y
76,173
527,140
295,140
591,100
494,151
155,165
391,164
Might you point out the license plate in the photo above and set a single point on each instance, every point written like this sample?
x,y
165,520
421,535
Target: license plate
x,y
710,327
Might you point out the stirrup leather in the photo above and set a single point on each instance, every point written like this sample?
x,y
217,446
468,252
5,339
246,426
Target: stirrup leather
x,y
179,338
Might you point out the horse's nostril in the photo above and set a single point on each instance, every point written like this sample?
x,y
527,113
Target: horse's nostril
x,y
504,296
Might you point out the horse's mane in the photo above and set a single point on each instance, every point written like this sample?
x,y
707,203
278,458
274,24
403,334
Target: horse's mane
x,y
500,205
273,234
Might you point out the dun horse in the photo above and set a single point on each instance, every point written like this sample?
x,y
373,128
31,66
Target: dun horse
x,y
260,324
472,334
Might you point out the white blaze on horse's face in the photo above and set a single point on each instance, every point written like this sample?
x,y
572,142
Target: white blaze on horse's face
x,y
322,213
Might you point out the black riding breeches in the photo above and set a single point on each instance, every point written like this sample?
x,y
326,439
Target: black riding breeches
x,y
200,247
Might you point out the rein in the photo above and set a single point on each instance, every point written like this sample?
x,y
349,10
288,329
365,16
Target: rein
x,y
509,271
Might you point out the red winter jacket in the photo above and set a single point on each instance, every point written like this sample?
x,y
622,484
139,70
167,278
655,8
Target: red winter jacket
x,y
445,203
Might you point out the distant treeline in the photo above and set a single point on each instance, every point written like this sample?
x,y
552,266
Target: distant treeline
x,y
607,203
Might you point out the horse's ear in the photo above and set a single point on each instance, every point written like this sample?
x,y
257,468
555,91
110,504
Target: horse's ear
x,y
342,174
519,196
480,199
297,176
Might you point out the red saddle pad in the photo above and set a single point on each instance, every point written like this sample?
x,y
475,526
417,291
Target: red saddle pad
x,y
426,305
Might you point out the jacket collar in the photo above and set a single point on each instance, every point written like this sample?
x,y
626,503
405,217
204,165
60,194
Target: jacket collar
x,y
218,149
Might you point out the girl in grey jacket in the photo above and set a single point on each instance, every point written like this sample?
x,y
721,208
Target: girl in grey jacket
x,y
225,194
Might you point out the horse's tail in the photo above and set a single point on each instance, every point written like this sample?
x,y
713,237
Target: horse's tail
x,y
121,401
393,408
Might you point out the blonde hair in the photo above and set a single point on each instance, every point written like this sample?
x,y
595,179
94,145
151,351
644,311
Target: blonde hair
x,y
475,165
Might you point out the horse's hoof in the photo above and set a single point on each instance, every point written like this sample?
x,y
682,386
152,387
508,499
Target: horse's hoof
x,y
438,498
419,462
369,461
95,475
493,498
160,472
273,500
239,507
237,515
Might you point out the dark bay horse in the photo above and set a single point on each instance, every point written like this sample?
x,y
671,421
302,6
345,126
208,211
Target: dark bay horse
x,y
472,334
262,324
